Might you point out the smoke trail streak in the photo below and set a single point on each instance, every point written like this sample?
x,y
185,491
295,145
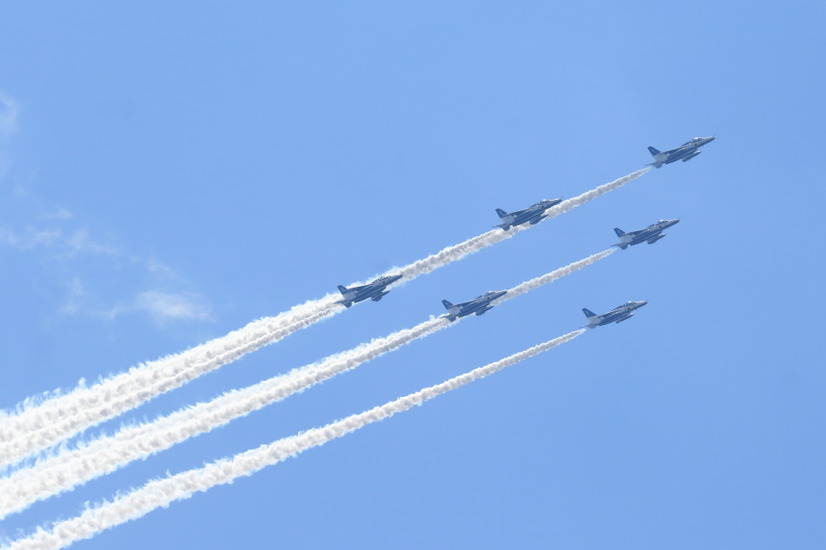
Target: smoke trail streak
x,y
579,200
475,244
162,492
86,406
527,286
69,469
38,427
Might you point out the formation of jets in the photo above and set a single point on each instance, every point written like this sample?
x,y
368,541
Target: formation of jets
x,y
377,289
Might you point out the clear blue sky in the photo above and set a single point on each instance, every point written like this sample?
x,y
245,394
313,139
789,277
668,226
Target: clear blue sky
x,y
169,173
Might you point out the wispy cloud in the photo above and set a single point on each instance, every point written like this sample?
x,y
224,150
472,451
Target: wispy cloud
x,y
56,240
74,301
61,214
164,306
159,269
28,239
79,241
101,277
58,235
8,125
74,251
8,116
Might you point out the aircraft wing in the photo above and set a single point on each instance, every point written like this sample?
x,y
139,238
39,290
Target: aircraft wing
x,y
519,216
463,305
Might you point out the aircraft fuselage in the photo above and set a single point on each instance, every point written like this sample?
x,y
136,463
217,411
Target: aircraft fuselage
x,y
684,152
478,305
374,290
616,315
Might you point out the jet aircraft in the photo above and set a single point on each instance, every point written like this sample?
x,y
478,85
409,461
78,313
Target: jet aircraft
x,y
532,214
375,290
650,234
616,315
684,152
478,305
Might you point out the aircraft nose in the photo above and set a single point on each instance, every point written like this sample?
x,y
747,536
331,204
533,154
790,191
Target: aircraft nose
x,y
675,221
642,302
711,138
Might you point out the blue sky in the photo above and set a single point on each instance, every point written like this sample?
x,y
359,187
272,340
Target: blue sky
x,y
170,173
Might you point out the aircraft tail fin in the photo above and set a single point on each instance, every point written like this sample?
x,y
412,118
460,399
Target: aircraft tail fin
x,y
342,289
501,212
619,232
588,312
654,152
447,304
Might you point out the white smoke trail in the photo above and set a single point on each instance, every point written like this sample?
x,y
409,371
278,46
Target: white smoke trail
x,y
71,468
579,200
87,406
68,469
162,492
475,244
527,286
41,425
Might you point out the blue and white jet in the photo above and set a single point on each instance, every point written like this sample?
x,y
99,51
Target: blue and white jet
x,y
532,214
375,290
684,152
650,234
616,315
478,305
